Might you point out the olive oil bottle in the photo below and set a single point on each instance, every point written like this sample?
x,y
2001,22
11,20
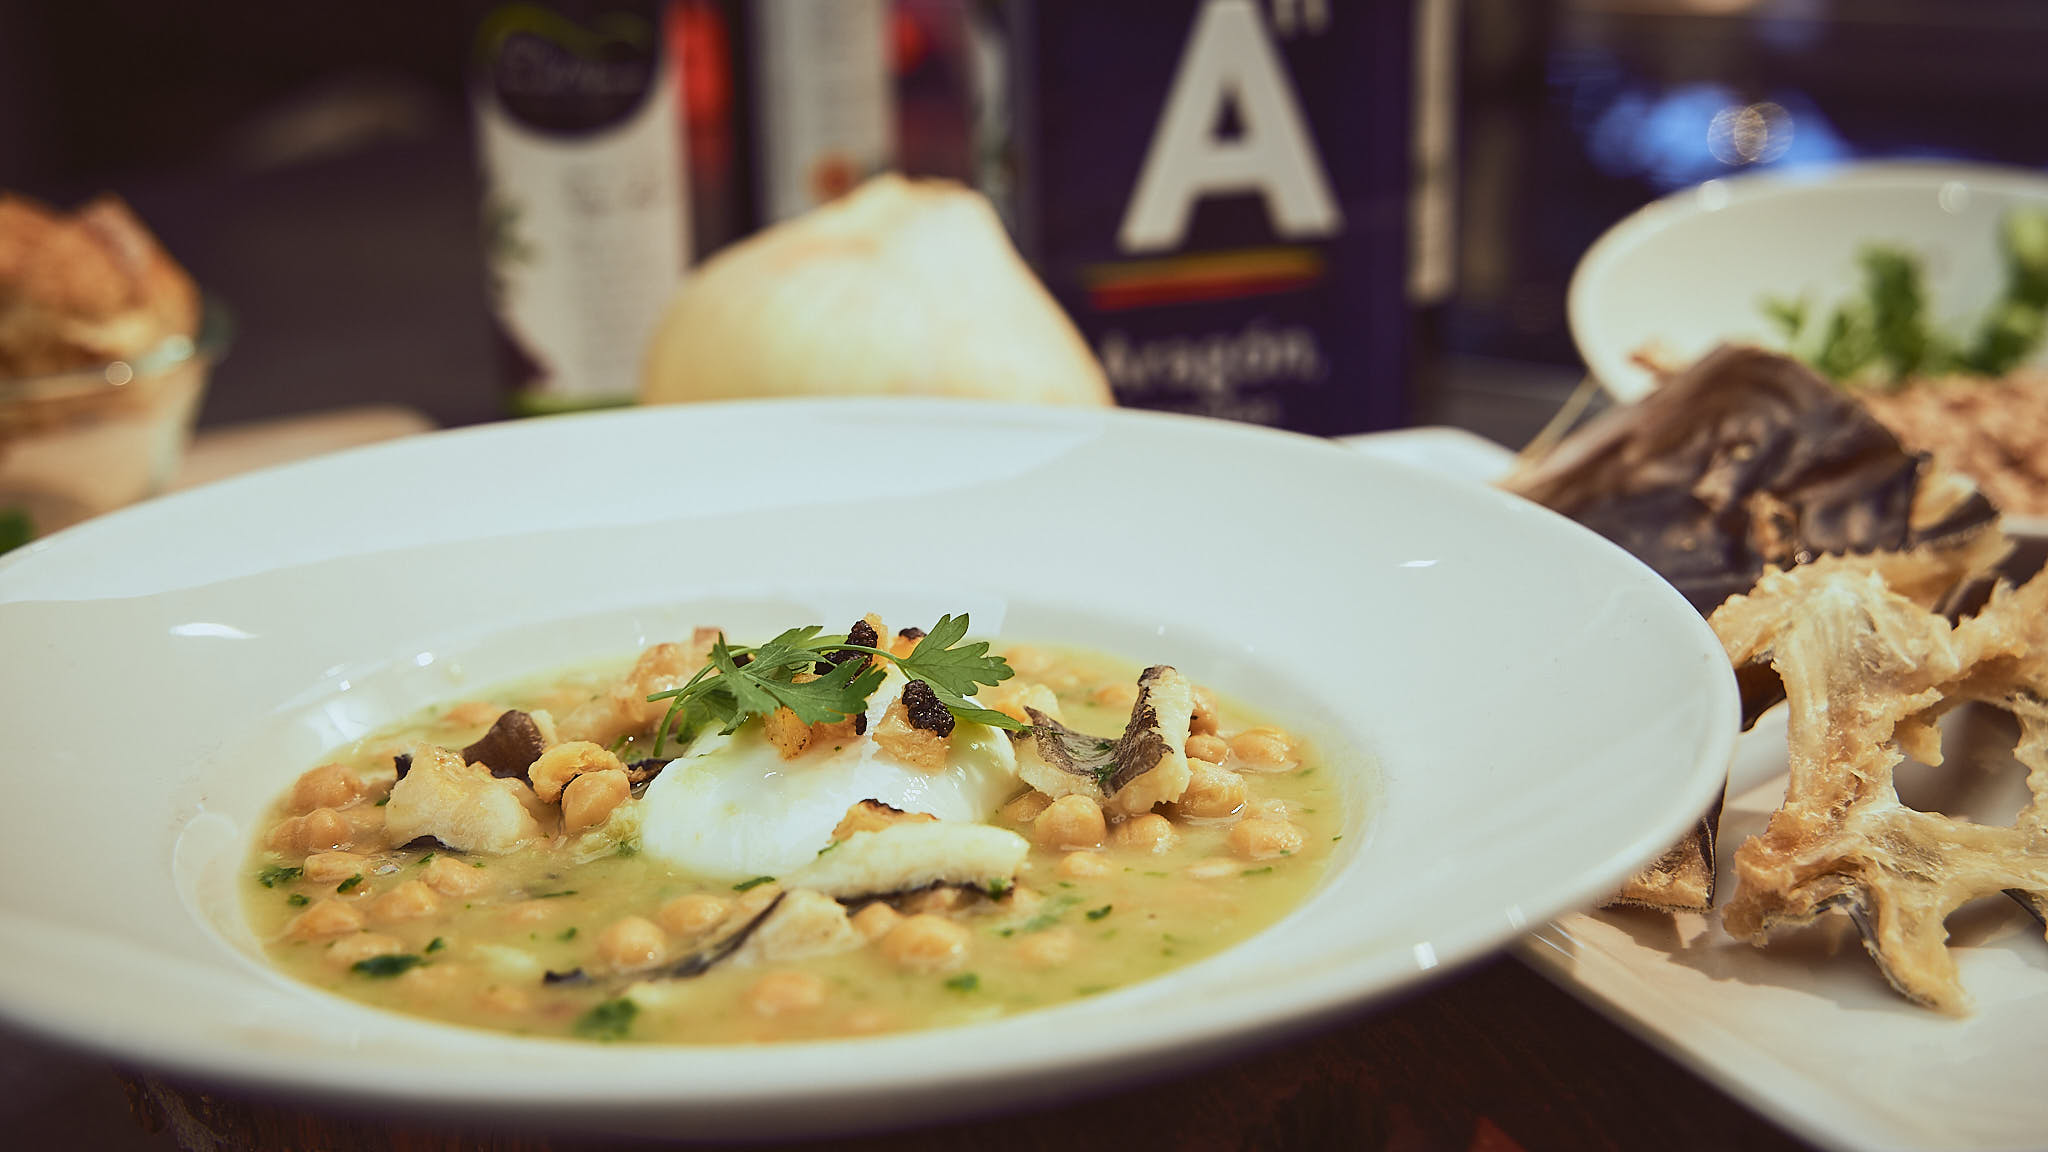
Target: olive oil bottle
x,y
581,135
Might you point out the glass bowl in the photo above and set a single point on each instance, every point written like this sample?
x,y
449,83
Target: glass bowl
x,y
76,444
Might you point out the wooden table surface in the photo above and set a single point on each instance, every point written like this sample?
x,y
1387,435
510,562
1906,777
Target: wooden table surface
x,y
1491,1059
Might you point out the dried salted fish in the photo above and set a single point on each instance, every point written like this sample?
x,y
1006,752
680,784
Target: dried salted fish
x,y
1144,767
1868,673
1746,461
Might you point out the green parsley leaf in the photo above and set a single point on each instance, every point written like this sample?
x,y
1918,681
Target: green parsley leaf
x,y
568,933
350,884
16,528
729,691
390,964
609,1020
277,874
999,888
426,859
297,900
1099,913
435,945
756,882
959,670
964,982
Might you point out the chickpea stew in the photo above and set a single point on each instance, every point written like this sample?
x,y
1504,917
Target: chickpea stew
x,y
865,851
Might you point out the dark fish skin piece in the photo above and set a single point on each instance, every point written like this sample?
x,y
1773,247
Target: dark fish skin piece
x,y
695,963
1111,763
1747,458
640,773
510,747
701,960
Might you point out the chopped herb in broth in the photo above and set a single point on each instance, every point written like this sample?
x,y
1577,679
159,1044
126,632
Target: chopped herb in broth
x,y
809,838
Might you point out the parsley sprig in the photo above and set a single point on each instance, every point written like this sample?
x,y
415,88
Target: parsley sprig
x,y
741,683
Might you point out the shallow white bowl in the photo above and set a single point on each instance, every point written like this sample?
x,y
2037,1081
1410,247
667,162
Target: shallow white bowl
x,y
1693,269
1524,714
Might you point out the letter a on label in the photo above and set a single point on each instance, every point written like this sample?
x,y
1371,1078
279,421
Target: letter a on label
x,y
1229,57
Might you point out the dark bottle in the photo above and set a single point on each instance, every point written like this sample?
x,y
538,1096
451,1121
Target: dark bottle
x,y
582,134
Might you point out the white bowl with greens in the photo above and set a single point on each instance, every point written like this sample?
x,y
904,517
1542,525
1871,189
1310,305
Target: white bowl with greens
x,y
1872,272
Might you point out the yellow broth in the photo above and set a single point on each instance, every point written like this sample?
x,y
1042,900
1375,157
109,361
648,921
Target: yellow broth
x,y
471,939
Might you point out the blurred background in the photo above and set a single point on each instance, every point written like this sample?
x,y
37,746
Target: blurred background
x,y
318,165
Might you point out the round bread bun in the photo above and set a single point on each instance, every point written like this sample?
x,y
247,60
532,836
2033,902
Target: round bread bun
x,y
900,287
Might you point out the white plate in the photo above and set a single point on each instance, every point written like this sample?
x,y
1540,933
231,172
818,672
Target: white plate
x,y
1526,713
1692,270
1806,1031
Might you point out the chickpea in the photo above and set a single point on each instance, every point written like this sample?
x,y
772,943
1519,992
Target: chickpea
x,y
926,943
865,1020
631,942
1048,949
1262,838
472,714
693,914
1069,822
437,980
1262,749
411,900
1082,865
590,798
505,999
318,830
1150,832
1117,696
1015,699
1026,662
755,900
1268,809
327,918
349,950
1209,747
334,867
934,900
328,786
452,877
366,828
873,921
529,912
1202,722
1024,809
1212,793
783,992
564,762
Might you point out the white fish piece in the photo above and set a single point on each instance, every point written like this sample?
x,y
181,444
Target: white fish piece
x,y
805,923
903,857
461,805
